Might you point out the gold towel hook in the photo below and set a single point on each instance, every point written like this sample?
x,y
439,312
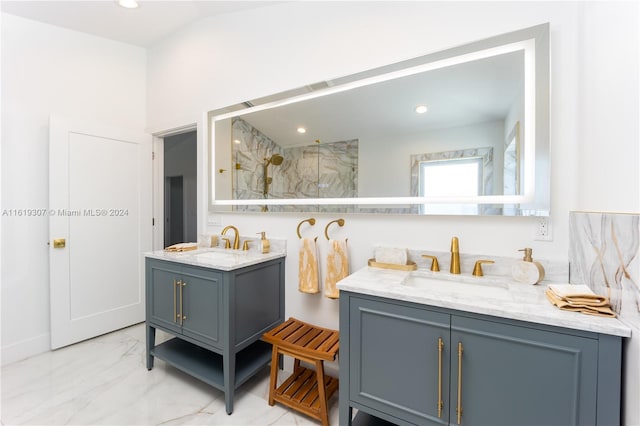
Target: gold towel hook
x,y
340,222
311,220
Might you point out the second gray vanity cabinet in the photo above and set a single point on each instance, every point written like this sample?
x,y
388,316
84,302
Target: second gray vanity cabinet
x,y
401,362
505,374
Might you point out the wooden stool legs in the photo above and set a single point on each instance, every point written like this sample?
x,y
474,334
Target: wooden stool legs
x,y
274,375
306,391
322,393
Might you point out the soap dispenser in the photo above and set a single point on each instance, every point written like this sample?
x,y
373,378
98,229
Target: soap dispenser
x,y
265,246
527,271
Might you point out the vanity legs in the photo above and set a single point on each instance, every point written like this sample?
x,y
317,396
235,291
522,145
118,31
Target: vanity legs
x,y
229,368
151,342
189,359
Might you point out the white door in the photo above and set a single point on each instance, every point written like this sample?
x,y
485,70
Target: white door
x,y
100,209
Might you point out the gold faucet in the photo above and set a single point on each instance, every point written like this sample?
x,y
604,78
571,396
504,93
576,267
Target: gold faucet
x,y
435,266
236,239
455,256
477,269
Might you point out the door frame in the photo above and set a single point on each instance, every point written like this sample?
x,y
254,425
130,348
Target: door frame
x,y
202,172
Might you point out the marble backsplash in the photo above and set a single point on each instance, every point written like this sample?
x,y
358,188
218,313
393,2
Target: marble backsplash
x,y
555,271
603,254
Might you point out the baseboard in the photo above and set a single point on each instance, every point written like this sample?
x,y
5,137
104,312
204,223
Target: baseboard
x,y
26,348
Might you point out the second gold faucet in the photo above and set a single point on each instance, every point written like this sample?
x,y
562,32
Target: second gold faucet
x,y
455,256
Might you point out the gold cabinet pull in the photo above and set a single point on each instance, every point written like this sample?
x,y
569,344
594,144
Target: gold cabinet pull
x,y
459,408
175,309
182,315
440,401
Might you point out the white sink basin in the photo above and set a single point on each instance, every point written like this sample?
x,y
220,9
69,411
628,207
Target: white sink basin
x,y
435,279
221,255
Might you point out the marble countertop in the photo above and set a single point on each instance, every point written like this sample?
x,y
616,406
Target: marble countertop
x,y
496,297
217,258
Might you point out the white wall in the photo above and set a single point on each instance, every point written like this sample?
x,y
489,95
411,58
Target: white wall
x,y
47,70
608,150
212,64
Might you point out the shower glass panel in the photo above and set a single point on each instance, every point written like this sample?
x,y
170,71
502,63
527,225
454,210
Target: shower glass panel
x,y
265,169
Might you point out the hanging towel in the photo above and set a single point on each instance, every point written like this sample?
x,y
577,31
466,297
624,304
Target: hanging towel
x,y
308,266
337,267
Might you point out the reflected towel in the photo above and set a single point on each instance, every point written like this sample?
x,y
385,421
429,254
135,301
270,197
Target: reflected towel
x,y
308,266
337,267
582,299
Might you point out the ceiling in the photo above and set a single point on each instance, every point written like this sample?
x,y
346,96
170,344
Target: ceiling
x,y
465,94
144,26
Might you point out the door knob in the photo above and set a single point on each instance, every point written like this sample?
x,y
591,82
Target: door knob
x,y
59,243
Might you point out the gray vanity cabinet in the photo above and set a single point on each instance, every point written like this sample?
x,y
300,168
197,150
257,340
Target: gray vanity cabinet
x,y
519,375
401,361
186,300
396,359
216,319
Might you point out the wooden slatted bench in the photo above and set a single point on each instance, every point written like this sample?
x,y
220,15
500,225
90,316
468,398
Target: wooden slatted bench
x,y
306,391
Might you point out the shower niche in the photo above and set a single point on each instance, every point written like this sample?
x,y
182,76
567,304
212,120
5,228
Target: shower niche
x,y
264,168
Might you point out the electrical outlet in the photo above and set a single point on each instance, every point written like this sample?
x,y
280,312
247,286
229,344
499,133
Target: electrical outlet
x,y
542,229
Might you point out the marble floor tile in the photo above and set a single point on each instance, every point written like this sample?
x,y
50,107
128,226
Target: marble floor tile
x,y
104,381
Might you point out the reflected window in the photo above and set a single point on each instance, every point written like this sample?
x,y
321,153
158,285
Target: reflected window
x,y
457,177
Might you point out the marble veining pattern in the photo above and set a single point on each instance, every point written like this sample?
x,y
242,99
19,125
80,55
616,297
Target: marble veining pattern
x,y
104,381
488,296
223,259
604,254
327,170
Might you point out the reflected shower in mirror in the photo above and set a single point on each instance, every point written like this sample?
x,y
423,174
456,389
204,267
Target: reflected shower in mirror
x,y
327,170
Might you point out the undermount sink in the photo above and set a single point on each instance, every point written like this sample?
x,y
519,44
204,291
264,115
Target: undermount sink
x,y
221,254
432,279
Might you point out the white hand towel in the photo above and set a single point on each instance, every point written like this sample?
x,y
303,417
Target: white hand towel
x,y
308,266
337,267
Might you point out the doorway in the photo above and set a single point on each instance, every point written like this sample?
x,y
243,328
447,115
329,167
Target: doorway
x,y
180,188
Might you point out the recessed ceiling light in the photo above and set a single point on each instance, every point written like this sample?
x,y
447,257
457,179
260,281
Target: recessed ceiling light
x,y
421,109
302,130
236,141
129,4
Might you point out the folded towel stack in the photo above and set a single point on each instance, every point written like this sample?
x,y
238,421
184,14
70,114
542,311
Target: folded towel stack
x,y
578,298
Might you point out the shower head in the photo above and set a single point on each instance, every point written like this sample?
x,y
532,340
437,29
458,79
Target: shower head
x,y
276,160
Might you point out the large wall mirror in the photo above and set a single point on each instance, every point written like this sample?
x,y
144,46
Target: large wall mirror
x,y
461,131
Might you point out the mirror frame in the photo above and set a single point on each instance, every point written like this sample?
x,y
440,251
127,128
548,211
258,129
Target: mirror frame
x,y
535,199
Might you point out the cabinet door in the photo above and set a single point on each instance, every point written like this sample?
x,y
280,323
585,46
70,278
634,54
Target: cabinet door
x,y
162,295
202,305
394,360
513,375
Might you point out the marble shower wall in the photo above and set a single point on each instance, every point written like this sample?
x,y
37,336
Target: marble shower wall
x,y
329,170
604,254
